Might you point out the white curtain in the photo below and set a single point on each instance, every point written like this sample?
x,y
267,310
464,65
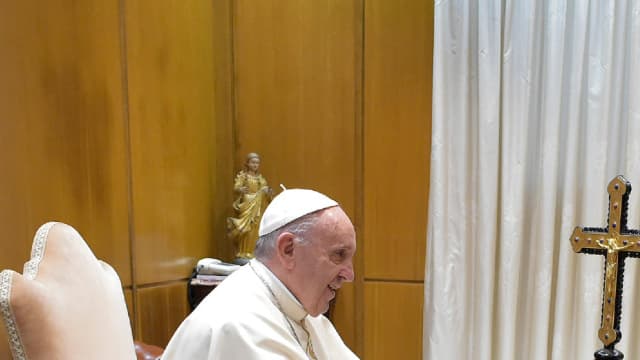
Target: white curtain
x,y
536,108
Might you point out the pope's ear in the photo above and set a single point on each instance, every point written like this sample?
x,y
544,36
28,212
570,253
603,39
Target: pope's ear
x,y
284,247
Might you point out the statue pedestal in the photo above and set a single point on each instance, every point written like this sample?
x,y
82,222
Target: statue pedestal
x,y
608,354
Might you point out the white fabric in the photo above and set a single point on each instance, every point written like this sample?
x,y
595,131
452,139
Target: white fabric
x,y
290,205
241,320
535,109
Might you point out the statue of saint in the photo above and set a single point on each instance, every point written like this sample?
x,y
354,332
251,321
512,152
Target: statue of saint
x,y
253,197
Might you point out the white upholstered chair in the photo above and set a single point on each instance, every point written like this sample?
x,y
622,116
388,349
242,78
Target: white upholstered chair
x,y
67,304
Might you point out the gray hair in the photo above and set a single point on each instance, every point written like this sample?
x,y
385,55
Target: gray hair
x,y
266,244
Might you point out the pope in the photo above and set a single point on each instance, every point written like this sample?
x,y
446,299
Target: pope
x,y
272,308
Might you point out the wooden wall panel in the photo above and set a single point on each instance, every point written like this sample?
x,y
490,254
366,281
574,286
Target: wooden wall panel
x,y
393,320
61,129
295,92
161,310
344,317
224,112
146,111
397,113
171,116
296,101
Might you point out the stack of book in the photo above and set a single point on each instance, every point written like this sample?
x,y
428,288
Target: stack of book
x,y
211,272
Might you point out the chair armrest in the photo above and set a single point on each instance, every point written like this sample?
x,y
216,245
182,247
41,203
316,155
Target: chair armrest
x,y
146,351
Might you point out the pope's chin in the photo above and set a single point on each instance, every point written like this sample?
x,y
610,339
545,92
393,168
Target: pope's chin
x,y
323,304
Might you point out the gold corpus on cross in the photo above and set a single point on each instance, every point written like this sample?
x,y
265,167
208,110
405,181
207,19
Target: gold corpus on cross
x,y
615,241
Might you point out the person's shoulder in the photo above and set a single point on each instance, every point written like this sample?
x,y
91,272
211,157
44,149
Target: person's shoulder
x,y
245,313
239,296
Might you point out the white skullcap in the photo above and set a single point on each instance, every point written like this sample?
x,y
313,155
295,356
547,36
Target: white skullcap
x,y
290,205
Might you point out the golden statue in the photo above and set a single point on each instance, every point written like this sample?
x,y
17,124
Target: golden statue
x,y
253,197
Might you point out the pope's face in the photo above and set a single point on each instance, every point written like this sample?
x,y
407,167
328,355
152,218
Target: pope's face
x,y
325,261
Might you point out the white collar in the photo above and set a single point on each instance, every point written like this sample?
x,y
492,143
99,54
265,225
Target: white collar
x,y
291,307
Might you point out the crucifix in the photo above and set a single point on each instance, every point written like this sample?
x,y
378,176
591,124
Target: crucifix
x,y
615,243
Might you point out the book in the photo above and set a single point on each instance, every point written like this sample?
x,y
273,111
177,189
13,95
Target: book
x,y
202,282
215,267
209,277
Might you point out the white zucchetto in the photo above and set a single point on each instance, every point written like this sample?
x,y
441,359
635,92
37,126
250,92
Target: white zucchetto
x,y
292,204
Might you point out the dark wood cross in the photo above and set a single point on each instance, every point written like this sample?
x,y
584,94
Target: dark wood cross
x,y
616,243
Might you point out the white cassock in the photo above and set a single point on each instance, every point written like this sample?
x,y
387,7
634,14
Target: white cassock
x,y
241,319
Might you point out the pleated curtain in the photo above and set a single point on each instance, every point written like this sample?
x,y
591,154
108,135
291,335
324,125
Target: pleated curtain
x,y
536,108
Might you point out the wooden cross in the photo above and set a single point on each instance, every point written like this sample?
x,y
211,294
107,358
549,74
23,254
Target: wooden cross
x,y
615,242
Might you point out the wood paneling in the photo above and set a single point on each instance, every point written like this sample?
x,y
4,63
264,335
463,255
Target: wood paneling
x,y
295,103
128,119
343,316
397,113
160,310
224,112
109,113
393,320
171,116
93,89
62,132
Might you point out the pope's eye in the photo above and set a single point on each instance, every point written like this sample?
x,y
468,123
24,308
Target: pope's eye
x,y
339,255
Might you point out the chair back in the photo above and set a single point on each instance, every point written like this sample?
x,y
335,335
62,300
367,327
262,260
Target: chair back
x,y
66,304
